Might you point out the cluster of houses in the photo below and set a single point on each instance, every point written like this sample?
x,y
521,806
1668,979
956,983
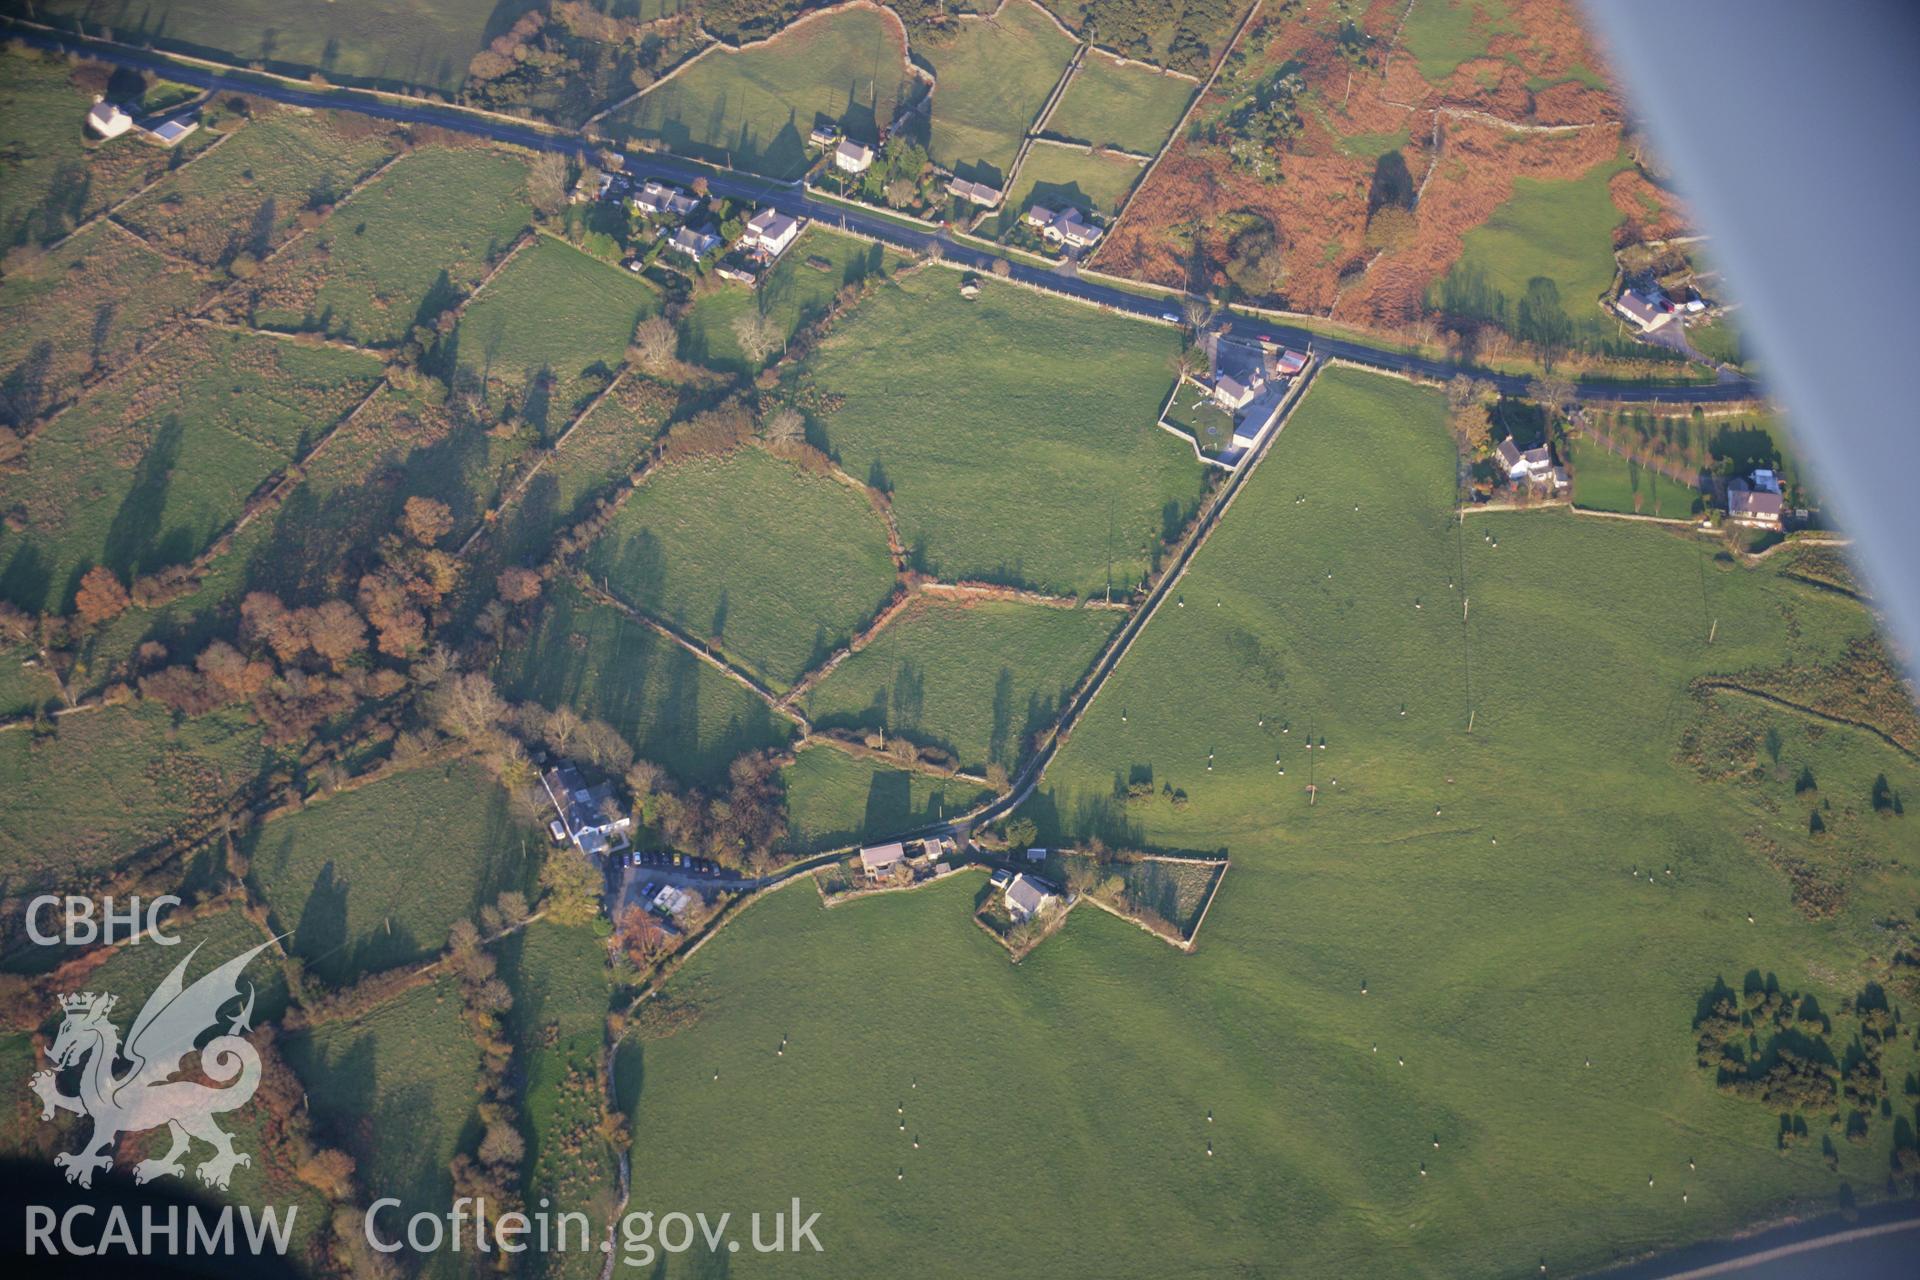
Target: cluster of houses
x,y
1248,382
1650,307
689,233
110,120
1527,467
882,862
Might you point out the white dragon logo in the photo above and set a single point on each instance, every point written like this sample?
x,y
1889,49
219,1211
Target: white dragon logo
x,y
146,1095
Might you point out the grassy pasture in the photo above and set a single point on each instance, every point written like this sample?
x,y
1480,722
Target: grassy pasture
x,y
974,678
772,565
395,1089
754,109
1481,959
135,970
992,78
1560,229
673,708
348,876
1442,34
388,43
794,292
110,782
79,309
558,1021
1016,432
551,328
401,250
834,799
147,471
1060,177
55,174
1126,105
1720,339
1606,481
245,197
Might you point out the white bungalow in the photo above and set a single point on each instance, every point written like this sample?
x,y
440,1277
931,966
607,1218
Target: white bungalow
x,y
107,119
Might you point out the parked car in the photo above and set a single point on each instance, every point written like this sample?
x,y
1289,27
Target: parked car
x,y
558,830
646,894
1170,317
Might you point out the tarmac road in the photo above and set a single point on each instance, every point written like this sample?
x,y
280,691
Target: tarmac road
x,y
792,198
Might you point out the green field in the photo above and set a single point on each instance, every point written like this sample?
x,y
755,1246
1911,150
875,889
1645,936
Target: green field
x,y
754,109
345,876
674,709
1559,229
79,310
794,292
1016,432
55,174
1061,177
559,1023
771,565
402,250
992,79
378,42
146,471
1720,339
1477,931
1442,34
1193,410
1111,104
551,327
395,1089
135,970
1607,481
974,679
111,782
834,799
245,197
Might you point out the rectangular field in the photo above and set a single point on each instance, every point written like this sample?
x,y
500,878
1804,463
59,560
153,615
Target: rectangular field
x,y
248,196
674,709
834,800
1607,481
993,78
1125,105
1063,177
1015,432
388,43
976,678
147,470
753,109
549,330
343,876
769,564
78,311
402,250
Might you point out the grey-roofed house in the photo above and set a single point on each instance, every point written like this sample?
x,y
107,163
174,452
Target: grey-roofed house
x,y
658,199
1508,455
1753,505
587,816
1645,312
852,157
693,242
878,860
1027,896
770,232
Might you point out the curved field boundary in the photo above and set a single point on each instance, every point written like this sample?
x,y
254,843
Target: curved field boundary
x,y
718,46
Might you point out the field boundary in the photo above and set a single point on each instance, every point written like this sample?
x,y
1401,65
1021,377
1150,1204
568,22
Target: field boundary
x,y
1725,684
